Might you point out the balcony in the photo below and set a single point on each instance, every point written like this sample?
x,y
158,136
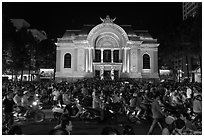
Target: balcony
x,y
114,61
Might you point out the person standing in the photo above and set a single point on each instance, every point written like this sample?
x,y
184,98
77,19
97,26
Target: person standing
x,y
25,103
17,98
188,92
95,102
55,94
157,114
8,105
197,107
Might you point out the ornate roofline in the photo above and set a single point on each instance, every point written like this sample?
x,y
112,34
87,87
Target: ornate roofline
x,y
108,19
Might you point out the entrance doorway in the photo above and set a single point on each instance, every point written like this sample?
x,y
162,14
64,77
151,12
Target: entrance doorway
x,y
97,73
116,74
107,74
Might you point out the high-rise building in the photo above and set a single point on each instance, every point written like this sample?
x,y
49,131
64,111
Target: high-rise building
x,y
189,9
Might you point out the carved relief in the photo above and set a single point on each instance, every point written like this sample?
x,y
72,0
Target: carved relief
x,y
133,68
106,42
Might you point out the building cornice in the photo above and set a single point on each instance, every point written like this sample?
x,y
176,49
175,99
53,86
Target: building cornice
x,y
134,42
149,45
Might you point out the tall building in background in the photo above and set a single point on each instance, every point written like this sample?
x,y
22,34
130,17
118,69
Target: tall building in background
x,y
189,9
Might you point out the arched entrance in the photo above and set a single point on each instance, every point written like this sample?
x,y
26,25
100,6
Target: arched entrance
x,y
107,41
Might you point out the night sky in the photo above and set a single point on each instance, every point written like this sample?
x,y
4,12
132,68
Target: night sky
x,y
56,17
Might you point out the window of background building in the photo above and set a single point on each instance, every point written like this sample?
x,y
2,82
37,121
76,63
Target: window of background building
x,y
146,61
67,60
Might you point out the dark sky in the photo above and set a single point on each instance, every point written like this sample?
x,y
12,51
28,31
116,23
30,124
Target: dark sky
x,y
56,17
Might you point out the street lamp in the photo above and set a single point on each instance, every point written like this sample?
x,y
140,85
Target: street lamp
x,y
187,67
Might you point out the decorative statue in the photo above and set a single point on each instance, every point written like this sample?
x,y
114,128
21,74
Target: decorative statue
x,y
107,19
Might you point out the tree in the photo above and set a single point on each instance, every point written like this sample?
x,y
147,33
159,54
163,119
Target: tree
x,y
20,53
8,42
46,54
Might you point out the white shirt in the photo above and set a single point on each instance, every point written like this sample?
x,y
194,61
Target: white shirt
x,y
188,92
56,94
24,101
17,100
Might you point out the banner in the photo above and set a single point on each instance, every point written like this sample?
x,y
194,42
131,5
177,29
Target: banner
x,y
47,73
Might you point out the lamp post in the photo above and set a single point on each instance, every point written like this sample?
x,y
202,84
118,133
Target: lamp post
x,y
179,75
187,67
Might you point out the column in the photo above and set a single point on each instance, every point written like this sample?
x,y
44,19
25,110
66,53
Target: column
x,y
152,61
112,73
128,60
101,55
112,55
87,61
91,60
140,61
101,72
156,61
59,60
93,54
124,61
120,54
137,60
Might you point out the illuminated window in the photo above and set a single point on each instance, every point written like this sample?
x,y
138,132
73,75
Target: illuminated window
x,y
67,60
146,61
97,55
107,56
116,56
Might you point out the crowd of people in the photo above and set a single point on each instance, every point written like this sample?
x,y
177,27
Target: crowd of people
x,y
121,92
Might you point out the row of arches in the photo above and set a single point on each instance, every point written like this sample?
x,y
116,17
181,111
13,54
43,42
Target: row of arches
x,y
68,61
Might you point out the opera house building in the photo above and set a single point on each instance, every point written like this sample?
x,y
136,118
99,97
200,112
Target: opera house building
x,y
106,50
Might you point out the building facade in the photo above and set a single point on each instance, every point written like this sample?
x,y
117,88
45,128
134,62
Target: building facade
x,y
107,51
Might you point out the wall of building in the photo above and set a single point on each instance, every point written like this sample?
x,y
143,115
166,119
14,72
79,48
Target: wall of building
x,y
77,69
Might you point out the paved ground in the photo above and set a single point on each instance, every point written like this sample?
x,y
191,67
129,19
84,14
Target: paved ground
x,y
83,128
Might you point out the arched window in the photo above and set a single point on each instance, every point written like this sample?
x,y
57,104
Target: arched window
x,y
146,61
67,60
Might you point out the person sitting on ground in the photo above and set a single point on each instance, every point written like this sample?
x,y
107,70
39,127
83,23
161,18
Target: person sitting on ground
x,y
65,123
128,130
179,127
109,131
188,123
15,130
58,131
